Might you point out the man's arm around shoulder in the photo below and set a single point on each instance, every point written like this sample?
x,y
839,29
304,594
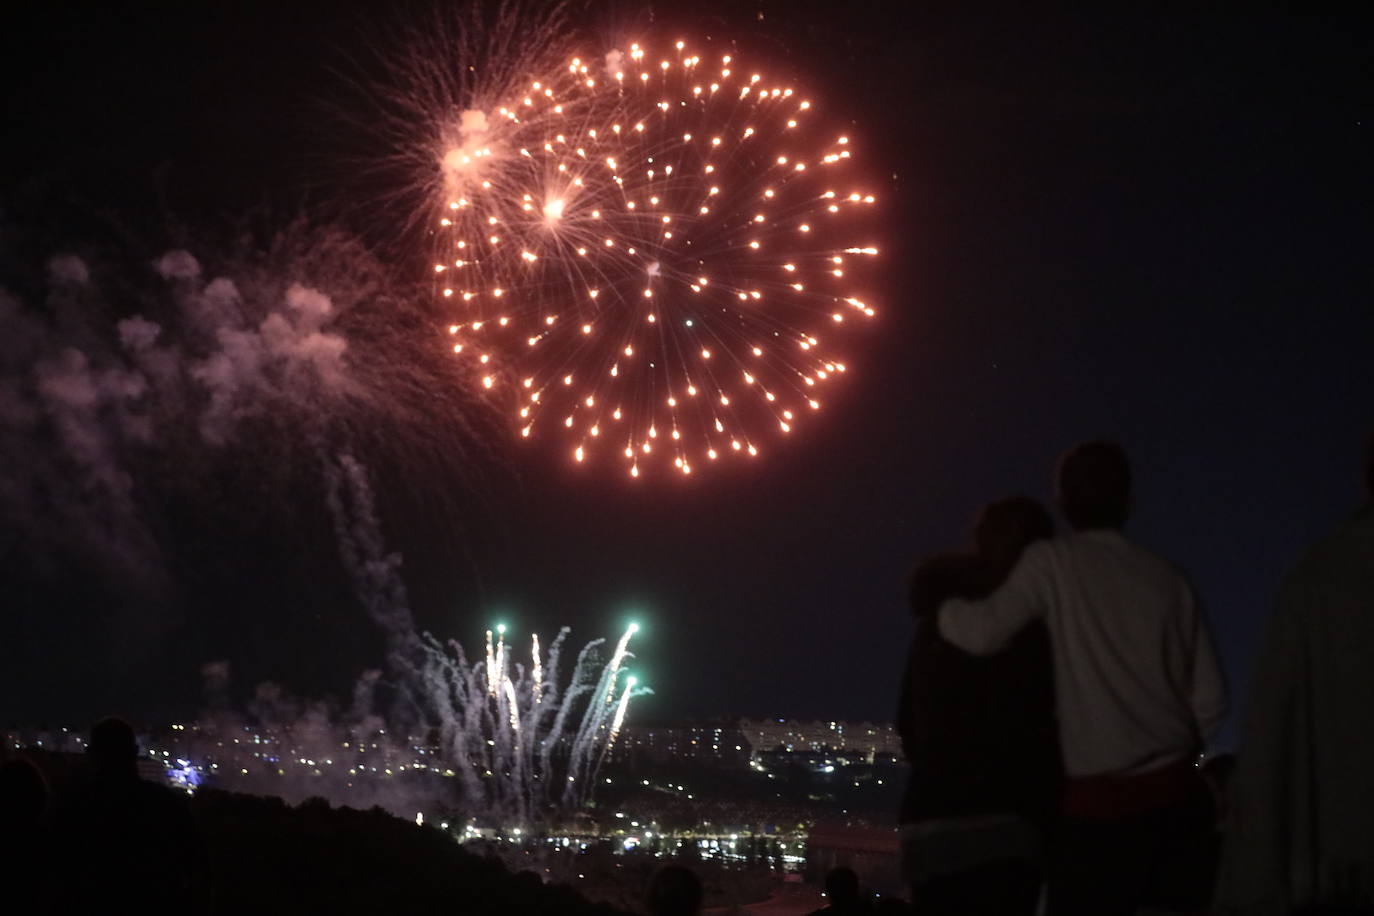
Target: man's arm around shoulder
x,y
985,627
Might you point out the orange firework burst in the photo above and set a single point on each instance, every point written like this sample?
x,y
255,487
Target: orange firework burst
x,y
651,251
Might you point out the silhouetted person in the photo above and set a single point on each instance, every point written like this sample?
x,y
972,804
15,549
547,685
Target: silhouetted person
x,y
23,796
1138,693
980,737
129,841
25,845
674,891
842,890
1301,832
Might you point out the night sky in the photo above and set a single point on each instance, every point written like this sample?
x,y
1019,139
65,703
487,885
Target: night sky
x,y
1155,230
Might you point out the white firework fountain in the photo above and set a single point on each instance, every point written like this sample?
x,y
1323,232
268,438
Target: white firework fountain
x,y
525,747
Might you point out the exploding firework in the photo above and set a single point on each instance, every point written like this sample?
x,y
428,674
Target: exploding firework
x,y
523,746
650,251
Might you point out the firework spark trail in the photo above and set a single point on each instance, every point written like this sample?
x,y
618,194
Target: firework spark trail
x,y
644,249
576,690
621,708
537,671
621,651
522,756
588,746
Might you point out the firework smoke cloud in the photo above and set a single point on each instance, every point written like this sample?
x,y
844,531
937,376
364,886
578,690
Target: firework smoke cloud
x,y
288,350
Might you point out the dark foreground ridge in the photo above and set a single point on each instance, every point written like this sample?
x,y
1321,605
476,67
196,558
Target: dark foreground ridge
x,y
225,852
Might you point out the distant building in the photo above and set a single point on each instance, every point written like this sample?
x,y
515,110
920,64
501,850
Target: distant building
x,y
731,744
711,743
856,742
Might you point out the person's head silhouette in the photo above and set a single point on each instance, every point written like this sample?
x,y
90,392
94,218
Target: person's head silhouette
x,y
23,795
1005,527
113,749
674,891
842,887
1093,486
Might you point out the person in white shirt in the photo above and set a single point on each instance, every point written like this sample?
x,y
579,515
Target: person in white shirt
x,y
1138,693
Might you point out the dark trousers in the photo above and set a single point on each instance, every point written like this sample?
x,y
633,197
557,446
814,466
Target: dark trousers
x,y
1010,887
1165,858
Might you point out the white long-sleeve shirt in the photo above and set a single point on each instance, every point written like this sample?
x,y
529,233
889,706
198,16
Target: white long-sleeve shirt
x,y
1136,678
